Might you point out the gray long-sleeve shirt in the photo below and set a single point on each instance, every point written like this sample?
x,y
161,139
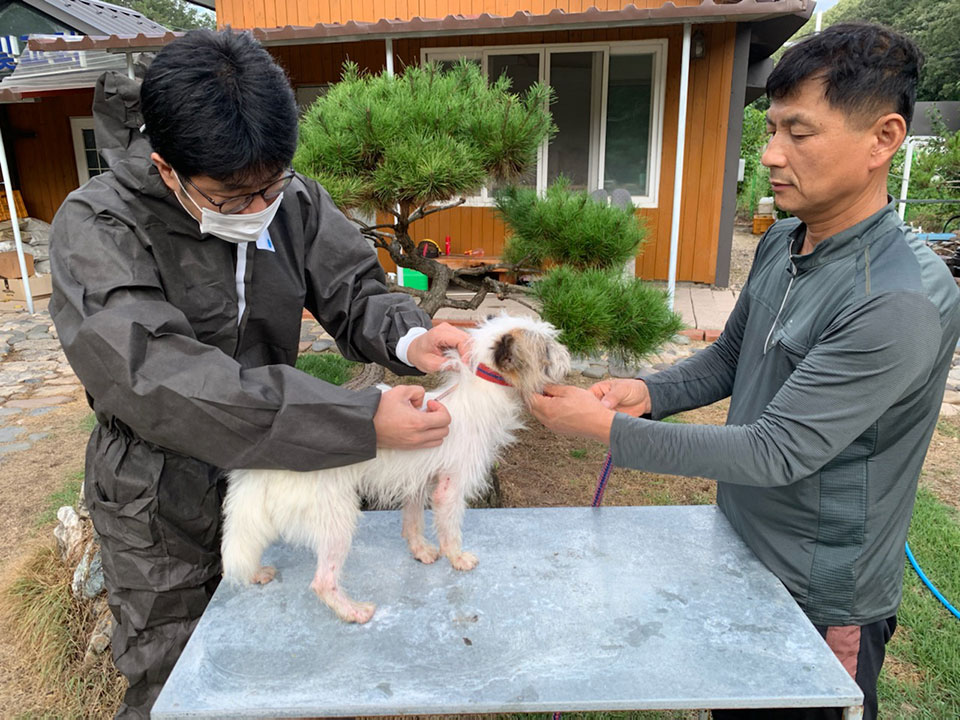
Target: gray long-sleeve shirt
x,y
835,362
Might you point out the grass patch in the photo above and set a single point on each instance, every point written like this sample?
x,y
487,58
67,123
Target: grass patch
x,y
89,422
948,428
922,676
579,454
674,419
332,368
68,494
48,629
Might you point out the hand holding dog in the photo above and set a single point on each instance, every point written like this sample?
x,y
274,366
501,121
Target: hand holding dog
x,y
569,410
626,396
427,351
401,424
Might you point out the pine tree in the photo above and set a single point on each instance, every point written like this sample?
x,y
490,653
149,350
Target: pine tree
x,y
411,145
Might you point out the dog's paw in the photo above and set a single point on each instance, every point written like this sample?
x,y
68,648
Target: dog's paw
x,y
464,561
425,552
359,613
264,575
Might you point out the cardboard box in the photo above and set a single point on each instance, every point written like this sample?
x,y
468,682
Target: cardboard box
x,y
40,286
10,264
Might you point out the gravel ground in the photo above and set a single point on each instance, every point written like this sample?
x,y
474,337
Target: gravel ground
x,y
744,245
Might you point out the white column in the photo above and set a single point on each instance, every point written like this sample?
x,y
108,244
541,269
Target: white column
x,y
905,183
130,73
389,43
678,169
15,222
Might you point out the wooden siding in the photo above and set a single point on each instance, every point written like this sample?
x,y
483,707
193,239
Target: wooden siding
x,y
267,13
43,149
710,81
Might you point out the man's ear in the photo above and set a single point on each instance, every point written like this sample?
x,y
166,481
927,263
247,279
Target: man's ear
x,y
889,132
166,172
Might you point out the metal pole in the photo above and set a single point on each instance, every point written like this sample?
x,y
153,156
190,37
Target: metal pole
x,y
130,66
389,43
678,169
819,21
15,221
907,163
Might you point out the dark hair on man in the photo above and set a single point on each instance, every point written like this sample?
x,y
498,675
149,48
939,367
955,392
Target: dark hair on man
x,y
867,70
216,104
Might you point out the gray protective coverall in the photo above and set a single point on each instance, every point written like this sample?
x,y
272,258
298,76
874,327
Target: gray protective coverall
x,y
187,363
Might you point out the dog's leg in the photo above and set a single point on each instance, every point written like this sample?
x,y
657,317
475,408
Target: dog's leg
x,y
413,528
247,531
448,506
326,583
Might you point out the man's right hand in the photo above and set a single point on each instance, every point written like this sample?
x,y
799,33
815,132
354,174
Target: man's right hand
x,y
401,424
626,396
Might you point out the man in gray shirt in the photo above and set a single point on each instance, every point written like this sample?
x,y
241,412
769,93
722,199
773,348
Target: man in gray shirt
x,y
835,357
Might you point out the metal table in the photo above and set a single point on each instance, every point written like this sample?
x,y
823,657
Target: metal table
x,y
613,608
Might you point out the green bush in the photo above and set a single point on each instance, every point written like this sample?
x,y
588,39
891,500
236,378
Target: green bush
x,y
332,368
756,177
934,175
599,310
567,228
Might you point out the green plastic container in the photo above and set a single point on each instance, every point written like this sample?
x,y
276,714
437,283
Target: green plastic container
x,y
414,279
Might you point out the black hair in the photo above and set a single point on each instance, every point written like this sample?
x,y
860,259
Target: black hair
x,y
866,70
216,104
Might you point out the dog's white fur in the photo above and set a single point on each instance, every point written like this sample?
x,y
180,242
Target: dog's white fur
x,y
319,509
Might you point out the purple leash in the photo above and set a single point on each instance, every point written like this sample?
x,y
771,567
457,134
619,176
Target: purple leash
x,y
597,500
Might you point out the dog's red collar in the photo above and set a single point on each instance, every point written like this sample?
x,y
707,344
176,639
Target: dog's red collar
x,y
489,374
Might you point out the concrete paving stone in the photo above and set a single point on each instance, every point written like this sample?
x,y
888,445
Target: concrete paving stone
x,y
39,402
14,447
8,412
63,380
11,433
952,397
947,410
595,371
8,390
304,345
40,411
321,345
33,437
30,368
56,390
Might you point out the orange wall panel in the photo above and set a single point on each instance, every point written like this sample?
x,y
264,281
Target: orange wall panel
x,y
706,128
43,150
277,13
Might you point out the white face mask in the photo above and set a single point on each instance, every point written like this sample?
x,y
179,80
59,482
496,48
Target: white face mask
x,y
236,228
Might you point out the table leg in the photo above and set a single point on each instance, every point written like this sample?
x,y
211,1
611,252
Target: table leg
x,y
854,712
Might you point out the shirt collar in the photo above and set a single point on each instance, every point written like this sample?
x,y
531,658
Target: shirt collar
x,y
844,243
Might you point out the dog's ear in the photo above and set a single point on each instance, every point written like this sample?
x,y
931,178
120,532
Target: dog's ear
x,y
504,352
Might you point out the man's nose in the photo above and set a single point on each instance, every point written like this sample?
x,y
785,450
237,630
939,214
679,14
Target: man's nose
x,y
773,154
256,205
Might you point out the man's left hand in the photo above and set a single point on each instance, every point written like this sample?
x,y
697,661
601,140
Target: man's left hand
x,y
427,351
570,410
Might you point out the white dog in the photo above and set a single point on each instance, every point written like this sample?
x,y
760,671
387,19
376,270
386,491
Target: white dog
x,y
512,357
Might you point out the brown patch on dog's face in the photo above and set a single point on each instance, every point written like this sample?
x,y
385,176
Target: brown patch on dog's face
x,y
504,352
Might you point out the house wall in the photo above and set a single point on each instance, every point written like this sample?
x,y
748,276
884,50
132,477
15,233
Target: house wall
x,y
43,149
266,13
707,118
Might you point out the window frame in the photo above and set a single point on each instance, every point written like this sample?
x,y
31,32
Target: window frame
x,y
598,101
77,126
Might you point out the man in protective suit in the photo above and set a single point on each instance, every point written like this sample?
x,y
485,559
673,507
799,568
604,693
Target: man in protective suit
x,y
179,281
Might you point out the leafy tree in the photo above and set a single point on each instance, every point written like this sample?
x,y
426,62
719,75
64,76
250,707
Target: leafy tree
x,y
934,175
756,177
580,245
412,145
932,24
172,14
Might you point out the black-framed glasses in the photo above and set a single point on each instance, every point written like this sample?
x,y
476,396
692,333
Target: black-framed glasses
x,y
233,205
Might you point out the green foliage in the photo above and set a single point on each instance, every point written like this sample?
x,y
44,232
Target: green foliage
x,y
927,643
756,177
600,310
579,453
172,14
68,494
934,175
567,228
376,141
333,368
929,23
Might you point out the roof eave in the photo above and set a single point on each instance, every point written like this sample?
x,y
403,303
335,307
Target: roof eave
x,y
708,11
